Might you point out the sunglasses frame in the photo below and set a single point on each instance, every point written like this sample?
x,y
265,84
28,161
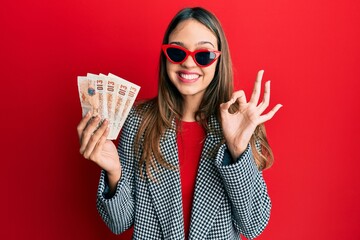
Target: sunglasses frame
x,y
188,52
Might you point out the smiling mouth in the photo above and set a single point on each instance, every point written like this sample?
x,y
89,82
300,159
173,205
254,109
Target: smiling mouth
x,y
188,77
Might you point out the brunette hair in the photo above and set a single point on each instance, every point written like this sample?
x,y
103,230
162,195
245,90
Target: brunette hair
x,y
159,113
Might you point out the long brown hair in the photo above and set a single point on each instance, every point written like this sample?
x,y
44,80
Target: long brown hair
x,y
159,113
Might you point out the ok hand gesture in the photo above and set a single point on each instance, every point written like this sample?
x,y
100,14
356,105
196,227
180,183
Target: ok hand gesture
x,y
238,127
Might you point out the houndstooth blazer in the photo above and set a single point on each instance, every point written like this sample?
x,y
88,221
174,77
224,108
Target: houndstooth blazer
x,y
230,198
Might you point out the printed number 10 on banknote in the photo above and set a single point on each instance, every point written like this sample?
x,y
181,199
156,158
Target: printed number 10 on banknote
x,y
109,97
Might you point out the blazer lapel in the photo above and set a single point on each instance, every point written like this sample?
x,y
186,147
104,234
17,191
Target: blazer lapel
x,y
209,191
166,190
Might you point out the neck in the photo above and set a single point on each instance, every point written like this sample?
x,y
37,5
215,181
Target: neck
x,y
191,105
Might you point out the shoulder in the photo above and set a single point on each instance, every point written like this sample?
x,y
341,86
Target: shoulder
x,y
137,114
142,107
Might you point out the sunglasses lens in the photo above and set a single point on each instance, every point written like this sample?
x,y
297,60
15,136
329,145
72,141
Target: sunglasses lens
x,y
175,54
205,58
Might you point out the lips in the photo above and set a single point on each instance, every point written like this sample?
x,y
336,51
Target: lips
x,y
188,77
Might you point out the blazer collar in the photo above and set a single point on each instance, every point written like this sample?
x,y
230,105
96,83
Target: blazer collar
x,y
209,191
166,190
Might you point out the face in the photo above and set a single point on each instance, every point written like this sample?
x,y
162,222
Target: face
x,y
190,79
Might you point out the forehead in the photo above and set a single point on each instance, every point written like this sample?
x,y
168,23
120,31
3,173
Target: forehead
x,y
192,32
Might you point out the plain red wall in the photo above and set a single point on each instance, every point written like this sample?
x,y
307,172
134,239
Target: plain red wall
x,y
309,49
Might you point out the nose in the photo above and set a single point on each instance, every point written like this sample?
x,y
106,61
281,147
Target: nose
x,y
189,62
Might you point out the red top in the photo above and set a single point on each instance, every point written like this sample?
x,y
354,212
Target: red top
x,y
190,141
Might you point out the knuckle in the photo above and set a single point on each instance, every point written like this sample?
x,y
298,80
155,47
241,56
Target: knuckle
x,y
93,136
79,129
269,115
87,134
93,157
239,93
102,138
86,155
103,126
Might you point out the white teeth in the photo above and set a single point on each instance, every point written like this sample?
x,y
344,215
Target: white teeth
x,y
189,76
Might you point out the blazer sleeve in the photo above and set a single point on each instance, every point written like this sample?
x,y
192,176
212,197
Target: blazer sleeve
x,y
247,191
118,211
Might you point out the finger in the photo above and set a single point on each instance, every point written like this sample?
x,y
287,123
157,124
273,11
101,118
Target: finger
x,y
100,144
236,96
82,125
225,106
240,96
94,139
266,99
257,88
270,114
88,133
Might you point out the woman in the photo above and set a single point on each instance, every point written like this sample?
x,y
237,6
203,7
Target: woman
x,y
189,161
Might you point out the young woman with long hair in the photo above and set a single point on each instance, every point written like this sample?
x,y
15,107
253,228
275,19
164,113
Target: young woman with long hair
x,y
189,162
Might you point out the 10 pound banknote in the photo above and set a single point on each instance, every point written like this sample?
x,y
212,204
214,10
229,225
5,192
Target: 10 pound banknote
x,y
109,97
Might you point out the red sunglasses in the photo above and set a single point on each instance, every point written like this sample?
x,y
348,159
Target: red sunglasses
x,y
202,57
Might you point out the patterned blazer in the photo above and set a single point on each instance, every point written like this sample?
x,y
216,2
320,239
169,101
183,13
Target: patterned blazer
x,y
230,198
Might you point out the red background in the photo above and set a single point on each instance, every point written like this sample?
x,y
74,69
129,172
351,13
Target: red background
x,y
309,49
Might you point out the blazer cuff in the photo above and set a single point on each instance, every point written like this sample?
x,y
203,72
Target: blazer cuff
x,y
243,166
247,192
226,158
122,188
117,211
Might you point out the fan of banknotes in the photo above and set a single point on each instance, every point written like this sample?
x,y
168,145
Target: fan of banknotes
x,y
109,97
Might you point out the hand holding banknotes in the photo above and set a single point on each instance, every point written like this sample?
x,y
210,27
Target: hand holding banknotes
x,y
95,147
106,101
